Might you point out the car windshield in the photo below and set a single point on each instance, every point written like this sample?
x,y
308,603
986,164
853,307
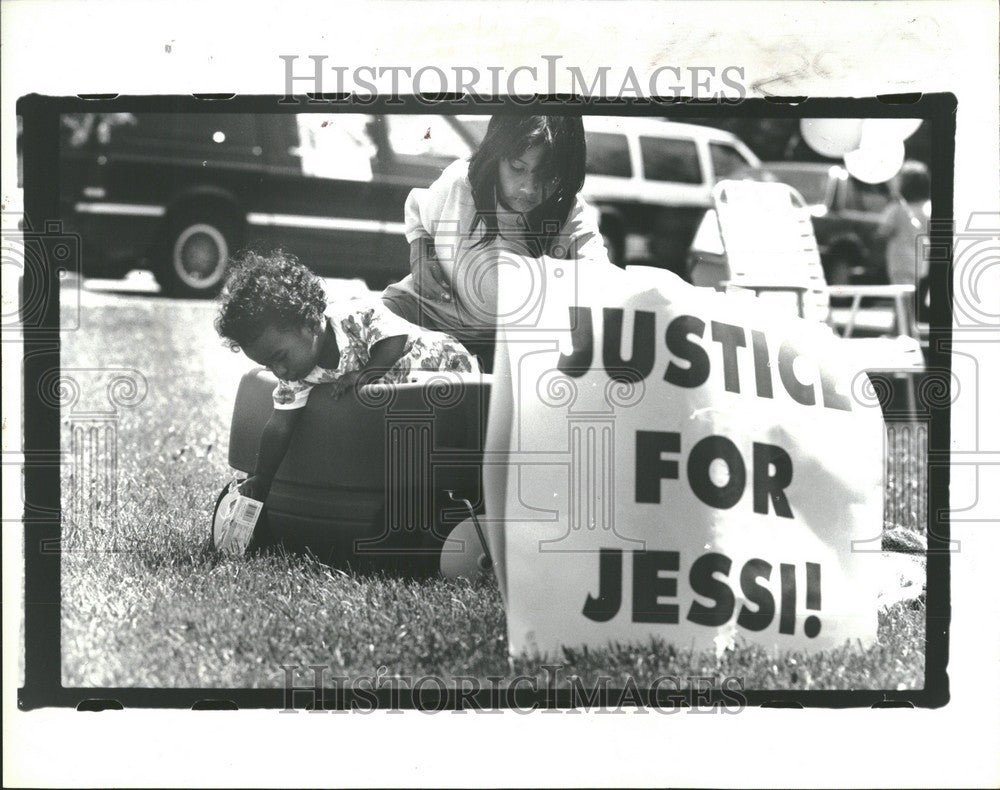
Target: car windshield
x,y
811,184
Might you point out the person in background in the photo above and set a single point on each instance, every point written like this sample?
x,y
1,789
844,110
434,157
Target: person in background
x,y
518,192
903,226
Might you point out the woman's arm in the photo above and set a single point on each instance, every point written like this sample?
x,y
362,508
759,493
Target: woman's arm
x,y
274,441
423,214
429,278
582,230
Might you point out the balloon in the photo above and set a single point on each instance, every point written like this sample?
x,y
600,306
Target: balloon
x,y
462,555
876,131
875,164
832,137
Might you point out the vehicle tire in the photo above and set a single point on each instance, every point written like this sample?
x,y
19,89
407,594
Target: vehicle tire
x,y
838,271
195,254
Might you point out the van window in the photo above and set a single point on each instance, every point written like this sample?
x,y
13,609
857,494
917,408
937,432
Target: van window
x,y
425,135
670,159
607,155
222,131
726,160
335,145
79,129
208,136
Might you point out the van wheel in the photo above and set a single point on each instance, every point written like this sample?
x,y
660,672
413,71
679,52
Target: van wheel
x,y
194,256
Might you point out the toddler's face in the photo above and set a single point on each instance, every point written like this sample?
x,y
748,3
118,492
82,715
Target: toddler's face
x,y
289,353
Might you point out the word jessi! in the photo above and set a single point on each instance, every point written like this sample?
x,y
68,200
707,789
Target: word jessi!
x,y
708,578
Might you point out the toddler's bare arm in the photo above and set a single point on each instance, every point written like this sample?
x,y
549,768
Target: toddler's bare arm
x,y
274,440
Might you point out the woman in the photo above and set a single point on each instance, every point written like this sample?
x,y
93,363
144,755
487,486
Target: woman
x,y
518,193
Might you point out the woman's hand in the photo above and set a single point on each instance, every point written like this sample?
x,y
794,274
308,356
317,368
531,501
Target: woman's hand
x,y
255,487
429,278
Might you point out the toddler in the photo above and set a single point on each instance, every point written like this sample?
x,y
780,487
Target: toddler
x,y
276,311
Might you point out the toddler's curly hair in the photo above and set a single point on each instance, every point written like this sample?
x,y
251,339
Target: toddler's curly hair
x,y
267,290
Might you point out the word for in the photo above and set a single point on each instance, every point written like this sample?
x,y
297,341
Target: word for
x,y
772,471
697,365
652,587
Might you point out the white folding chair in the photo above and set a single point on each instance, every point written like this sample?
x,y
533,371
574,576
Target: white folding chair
x,y
769,246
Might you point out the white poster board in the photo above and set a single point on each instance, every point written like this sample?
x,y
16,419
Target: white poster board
x,y
681,464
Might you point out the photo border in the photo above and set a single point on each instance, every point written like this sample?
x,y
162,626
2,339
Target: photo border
x,y
41,346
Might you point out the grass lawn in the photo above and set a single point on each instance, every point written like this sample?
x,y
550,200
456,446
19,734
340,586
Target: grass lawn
x,y
145,604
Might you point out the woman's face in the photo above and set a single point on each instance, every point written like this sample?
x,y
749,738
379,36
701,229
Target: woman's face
x,y
290,354
525,181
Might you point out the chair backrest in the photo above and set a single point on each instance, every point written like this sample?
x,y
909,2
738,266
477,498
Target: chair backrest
x,y
770,245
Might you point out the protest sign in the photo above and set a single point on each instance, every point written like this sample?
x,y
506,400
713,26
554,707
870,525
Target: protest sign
x,y
669,461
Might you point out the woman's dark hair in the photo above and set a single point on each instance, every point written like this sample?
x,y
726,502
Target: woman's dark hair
x,y
268,290
914,182
564,157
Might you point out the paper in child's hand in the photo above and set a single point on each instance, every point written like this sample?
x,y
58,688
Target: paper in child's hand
x,y
235,522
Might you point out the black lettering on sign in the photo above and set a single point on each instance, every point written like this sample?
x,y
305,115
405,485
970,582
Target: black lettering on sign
x,y
650,466
730,338
701,458
578,363
648,586
704,582
640,364
756,594
761,365
771,486
681,346
609,600
812,624
801,393
786,623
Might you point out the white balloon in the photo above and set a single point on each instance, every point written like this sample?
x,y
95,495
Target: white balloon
x,y
832,137
876,131
875,164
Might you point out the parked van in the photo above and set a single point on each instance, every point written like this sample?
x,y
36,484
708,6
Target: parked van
x,y
179,193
